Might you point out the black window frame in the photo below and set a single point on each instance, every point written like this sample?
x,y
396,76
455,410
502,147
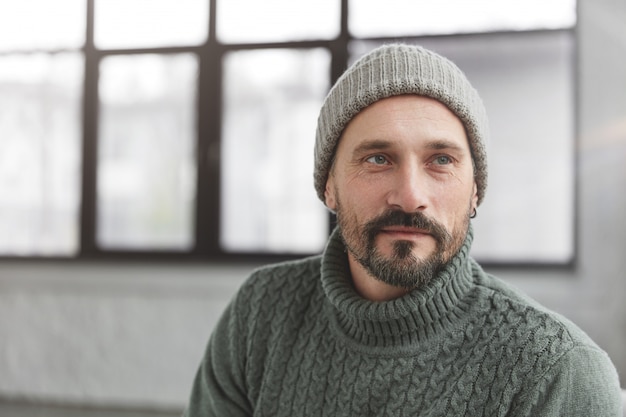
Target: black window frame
x,y
208,128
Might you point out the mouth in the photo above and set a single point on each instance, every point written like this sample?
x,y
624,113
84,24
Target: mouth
x,y
404,232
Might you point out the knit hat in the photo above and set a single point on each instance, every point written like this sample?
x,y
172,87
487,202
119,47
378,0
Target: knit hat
x,y
392,70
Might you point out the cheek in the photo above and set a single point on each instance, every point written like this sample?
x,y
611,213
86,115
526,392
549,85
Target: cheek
x,y
454,207
359,204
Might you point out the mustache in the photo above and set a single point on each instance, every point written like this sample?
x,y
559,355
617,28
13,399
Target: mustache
x,y
416,220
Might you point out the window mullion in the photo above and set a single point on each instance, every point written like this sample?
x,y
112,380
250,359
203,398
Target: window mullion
x,y
89,144
207,214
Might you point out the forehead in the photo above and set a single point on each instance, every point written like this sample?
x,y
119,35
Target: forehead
x,y
405,119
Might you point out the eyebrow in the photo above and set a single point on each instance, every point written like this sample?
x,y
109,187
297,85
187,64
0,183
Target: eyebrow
x,y
372,145
380,144
445,144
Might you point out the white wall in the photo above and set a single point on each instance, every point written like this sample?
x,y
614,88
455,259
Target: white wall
x,y
107,334
132,334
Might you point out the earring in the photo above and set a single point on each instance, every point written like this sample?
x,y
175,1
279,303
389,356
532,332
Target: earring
x,y
473,215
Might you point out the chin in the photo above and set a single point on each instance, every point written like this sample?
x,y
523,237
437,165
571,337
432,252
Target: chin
x,y
400,250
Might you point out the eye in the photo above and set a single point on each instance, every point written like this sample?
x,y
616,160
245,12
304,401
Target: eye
x,y
377,160
442,160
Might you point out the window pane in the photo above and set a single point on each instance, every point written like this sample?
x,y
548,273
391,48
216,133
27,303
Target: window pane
x,y
271,102
150,23
42,24
277,20
526,82
372,18
146,165
40,131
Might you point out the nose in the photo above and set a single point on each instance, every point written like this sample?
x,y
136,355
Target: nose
x,y
408,189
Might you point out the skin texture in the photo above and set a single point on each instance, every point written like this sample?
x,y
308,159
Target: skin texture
x,y
403,187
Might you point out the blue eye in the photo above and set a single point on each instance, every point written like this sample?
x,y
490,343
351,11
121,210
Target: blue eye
x,y
377,160
443,160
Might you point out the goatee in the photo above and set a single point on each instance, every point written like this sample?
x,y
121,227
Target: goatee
x,y
402,268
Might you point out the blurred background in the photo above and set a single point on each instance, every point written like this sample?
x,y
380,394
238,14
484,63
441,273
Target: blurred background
x,y
154,152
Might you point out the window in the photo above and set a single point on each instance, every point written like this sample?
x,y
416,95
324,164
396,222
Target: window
x,y
270,101
41,73
184,129
146,177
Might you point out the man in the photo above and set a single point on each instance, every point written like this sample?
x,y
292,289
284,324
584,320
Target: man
x,y
395,318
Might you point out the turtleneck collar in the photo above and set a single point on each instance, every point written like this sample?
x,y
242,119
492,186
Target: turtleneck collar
x,y
402,321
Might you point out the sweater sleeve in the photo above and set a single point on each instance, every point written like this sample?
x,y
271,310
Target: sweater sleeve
x,y
219,388
582,383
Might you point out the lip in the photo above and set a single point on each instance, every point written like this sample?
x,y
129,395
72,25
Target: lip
x,y
404,232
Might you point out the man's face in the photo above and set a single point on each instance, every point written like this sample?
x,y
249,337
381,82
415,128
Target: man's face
x,y
403,187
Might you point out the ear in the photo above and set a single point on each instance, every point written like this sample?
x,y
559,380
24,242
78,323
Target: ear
x,y
475,197
329,193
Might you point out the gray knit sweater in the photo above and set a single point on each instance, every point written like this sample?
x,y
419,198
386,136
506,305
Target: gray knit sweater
x,y
298,341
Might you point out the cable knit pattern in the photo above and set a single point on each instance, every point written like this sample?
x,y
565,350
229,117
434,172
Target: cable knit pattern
x,y
298,341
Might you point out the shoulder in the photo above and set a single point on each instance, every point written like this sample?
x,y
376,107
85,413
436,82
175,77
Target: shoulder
x,y
529,316
278,286
300,273
552,356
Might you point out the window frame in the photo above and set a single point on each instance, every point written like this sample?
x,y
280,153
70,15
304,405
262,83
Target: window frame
x,y
208,141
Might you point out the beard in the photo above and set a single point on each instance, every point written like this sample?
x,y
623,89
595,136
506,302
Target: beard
x,y
402,268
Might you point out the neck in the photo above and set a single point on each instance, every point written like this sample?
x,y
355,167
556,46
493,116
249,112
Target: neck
x,y
371,288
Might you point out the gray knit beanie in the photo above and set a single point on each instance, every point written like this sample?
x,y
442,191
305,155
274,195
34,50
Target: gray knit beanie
x,y
393,70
